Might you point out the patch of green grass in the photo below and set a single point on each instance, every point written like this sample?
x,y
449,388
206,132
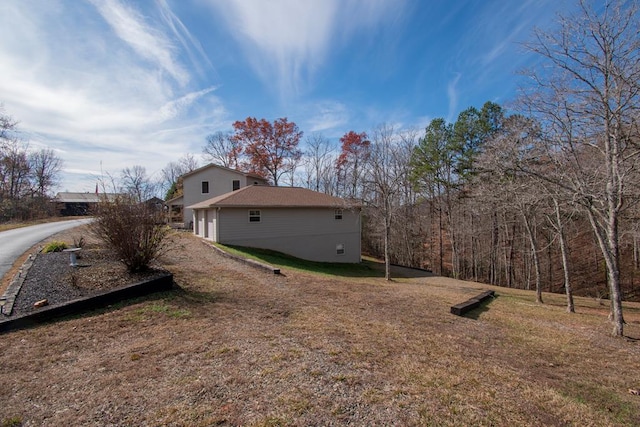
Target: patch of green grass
x,y
157,304
54,246
604,399
11,422
159,307
366,268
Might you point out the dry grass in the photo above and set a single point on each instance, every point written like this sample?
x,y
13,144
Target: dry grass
x,y
237,346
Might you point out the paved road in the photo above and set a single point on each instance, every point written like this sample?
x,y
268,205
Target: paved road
x,y
14,243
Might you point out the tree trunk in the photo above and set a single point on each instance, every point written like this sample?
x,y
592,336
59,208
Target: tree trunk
x,y
440,240
493,256
565,257
607,240
387,238
534,253
636,251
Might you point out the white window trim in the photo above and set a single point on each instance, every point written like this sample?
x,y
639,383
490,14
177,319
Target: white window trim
x,y
337,214
254,215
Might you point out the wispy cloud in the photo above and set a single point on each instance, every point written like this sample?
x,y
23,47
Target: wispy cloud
x,y
147,41
286,41
452,95
499,27
328,115
101,83
179,31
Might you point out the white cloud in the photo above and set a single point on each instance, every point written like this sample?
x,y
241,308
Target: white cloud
x,y
104,86
189,43
148,42
286,41
328,115
452,94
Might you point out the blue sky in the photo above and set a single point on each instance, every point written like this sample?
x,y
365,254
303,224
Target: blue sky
x,y
110,84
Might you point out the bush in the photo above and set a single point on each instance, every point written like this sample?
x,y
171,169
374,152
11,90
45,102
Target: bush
x,y
54,247
133,230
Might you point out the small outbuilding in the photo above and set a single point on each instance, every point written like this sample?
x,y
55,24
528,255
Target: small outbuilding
x,y
296,221
69,204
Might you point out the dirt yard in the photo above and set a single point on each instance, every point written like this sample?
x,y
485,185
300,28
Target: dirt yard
x,y
238,346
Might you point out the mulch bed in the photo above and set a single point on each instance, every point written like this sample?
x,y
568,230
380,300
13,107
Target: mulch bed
x,y
52,278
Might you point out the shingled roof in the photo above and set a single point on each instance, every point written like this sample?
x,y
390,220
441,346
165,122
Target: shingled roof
x,y
68,197
261,196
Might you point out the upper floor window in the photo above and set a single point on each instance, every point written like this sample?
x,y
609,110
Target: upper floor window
x,y
254,216
338,214
236,184
205,187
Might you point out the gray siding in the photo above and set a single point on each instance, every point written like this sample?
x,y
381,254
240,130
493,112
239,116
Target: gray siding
x,y
220,182
311,234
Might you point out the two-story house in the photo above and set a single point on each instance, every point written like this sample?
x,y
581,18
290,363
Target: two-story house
x,y
207,182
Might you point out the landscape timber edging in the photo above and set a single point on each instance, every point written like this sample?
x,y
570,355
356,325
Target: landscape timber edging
x,y
470,304
11,293
93,302
247,261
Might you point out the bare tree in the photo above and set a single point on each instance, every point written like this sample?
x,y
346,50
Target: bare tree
x,y
7,126
407,235
13,164
170,175
319,164
223,150
136,183
502,154
14,169
25,177
45,170
558,224
587,96
387,170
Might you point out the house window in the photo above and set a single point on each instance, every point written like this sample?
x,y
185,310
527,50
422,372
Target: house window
x,y
254,216
340,249
205,187
236,184
338,214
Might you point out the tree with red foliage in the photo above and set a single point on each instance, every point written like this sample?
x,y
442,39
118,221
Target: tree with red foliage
x,y
272,148
350,164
